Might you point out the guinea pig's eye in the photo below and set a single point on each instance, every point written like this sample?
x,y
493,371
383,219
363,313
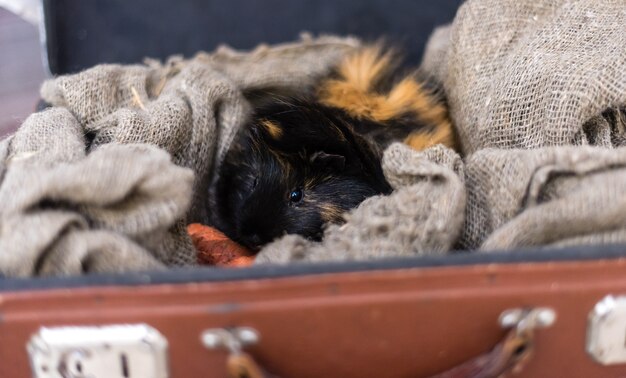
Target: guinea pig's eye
x,y
256,181
296,195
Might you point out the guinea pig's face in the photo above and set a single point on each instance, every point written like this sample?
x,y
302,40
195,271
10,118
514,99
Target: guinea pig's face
x,y
295,167
264,193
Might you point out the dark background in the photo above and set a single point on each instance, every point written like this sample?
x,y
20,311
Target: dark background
x,y
82,33
21,70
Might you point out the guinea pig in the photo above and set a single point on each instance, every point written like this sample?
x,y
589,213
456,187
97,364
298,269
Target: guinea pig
x,y
297,166
303,162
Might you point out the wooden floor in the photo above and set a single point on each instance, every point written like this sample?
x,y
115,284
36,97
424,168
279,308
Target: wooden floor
x,y
21,71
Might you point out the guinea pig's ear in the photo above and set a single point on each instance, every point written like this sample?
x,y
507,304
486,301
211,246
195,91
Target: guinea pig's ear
x,y
321,159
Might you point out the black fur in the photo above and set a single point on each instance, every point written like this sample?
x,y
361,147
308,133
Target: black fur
x,y
316,150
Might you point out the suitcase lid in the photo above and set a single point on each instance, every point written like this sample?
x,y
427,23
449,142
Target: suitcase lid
x,y
81,34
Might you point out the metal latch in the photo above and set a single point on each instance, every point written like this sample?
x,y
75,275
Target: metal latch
x,y
606,331
114,351
233,340
520,318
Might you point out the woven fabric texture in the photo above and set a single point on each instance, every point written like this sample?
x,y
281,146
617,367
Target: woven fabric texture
x,y
107,179
536,90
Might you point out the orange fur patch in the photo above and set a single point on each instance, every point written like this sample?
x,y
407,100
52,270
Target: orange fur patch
x,y
272,128
353,92
420,140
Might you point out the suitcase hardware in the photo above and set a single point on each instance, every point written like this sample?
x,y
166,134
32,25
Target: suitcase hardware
x,y
233,339
540,317
112,351
512,353
239,364
606,331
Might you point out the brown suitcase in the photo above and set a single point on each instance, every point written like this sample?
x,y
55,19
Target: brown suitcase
x,y
534,313
402,318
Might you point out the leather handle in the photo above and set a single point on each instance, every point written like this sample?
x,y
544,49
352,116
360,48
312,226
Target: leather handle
x,y
513,352
242,365
509,355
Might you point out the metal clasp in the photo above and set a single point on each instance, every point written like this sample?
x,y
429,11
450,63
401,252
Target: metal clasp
x,y
606,331
518,346
234,340
111,351
523,319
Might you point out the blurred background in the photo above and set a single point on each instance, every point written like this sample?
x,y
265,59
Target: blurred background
x,y
21,67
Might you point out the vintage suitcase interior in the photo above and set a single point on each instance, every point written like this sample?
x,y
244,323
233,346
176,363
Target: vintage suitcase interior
x,y
408,317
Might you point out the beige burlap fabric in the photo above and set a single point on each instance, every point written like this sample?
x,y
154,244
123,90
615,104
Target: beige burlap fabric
x,y
527,74
537,76
527,85
65,212
423,216
545,196
107,179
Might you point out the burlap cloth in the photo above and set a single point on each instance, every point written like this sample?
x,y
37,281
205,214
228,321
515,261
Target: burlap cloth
x,y
89,185
527,84
107,179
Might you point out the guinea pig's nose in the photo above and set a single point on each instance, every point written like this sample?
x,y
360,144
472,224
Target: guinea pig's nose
x,y
255,239
252,241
